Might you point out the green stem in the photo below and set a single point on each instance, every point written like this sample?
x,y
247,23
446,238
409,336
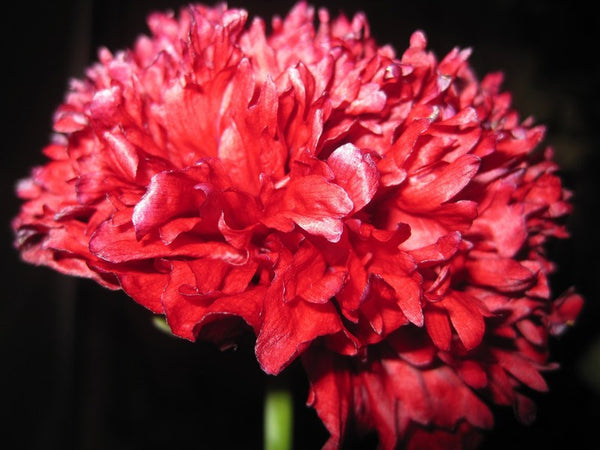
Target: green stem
x,y
278,419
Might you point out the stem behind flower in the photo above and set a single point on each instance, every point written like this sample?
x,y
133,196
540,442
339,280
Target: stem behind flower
x,y
278,418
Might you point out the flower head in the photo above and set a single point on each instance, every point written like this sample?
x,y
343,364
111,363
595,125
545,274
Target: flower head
x,y
382,216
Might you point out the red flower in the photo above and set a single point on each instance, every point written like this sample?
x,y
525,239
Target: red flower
x,y
383,216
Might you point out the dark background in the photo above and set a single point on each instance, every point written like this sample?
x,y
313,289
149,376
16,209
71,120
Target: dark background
x,y
84,368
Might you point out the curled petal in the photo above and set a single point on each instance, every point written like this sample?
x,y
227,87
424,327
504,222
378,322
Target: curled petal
x,y
356,173
169,195
313,203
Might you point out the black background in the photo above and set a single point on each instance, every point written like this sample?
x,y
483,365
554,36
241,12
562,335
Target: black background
x,y
84,368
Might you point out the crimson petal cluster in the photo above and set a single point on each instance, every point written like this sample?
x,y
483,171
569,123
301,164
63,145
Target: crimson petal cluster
x,y
381,217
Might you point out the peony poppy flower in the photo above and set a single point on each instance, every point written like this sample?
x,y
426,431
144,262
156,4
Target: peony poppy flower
x,y
382,217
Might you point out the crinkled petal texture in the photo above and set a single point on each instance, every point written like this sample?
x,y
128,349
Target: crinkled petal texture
x,y
381,217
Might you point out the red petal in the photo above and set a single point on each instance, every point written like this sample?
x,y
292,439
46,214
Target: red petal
x,y
170,195
331,392
501,386
370,100
472,374
412,345
187,314
106,107
438,327
535,334
356,173
145,288
407,386
288,328
445,247
379,313
438,184
315,204
391,165
124,153
463,437
69,121
408,295
502,222
466,318
181,317
565,310
525,409
398,270
504,274
522,369
325,288
118,244
309,276
519,146
245,305
185,110
172,229
453,401
381,408
429,226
